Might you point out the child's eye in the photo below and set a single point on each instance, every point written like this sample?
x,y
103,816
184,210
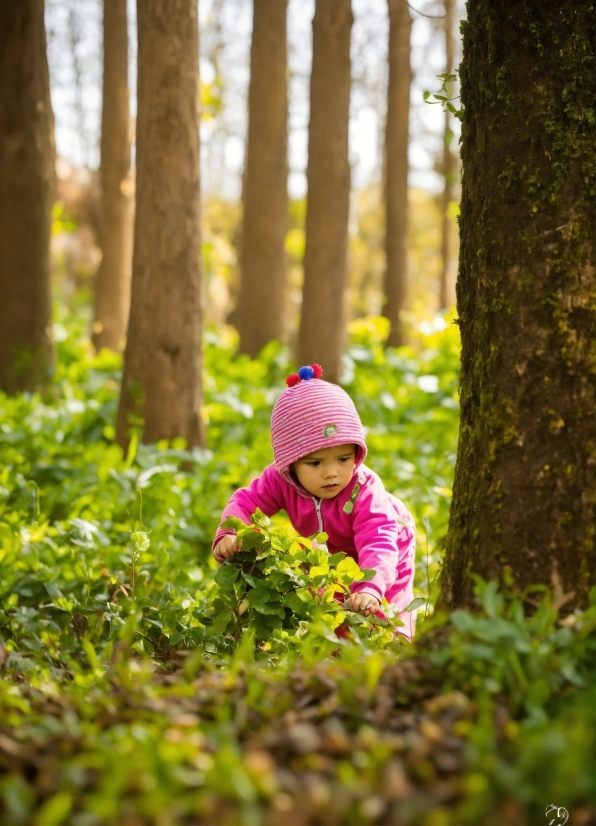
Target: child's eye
x,y
314,464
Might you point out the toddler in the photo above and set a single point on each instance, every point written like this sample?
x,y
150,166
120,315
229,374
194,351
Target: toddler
x,y
319,479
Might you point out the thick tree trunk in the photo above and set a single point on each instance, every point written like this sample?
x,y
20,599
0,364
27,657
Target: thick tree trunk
x,y
112,287
446,288
322,327
162,364
396,168
265,198
523,497
26,191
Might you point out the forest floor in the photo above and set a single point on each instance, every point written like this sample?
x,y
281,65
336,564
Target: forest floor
x,y
128,698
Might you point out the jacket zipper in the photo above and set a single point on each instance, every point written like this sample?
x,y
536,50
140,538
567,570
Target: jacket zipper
x,y
318,509
323,546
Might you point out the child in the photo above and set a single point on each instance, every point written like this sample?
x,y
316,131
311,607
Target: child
x,y
319,479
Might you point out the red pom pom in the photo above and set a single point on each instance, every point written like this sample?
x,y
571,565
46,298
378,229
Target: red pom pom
x,y
293,379
318,370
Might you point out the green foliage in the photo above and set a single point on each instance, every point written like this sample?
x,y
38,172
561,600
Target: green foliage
x,y
289,595
144,683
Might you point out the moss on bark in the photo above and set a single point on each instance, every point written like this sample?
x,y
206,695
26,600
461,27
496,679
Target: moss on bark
x,y
524,484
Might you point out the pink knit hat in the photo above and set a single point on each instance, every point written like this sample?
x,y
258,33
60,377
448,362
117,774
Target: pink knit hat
x,y
310,415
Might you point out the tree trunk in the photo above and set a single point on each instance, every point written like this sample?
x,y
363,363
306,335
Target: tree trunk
x,y
265,196
446,288
322,327
112,287
523,496
396,168
26,191
161,384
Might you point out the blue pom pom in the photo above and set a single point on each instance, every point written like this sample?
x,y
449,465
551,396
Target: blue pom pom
x,y
306,373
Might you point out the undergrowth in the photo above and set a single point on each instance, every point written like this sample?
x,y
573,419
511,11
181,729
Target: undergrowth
x,y
143,684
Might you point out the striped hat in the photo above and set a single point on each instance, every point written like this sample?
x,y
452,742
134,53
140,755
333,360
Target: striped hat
x,y
310,415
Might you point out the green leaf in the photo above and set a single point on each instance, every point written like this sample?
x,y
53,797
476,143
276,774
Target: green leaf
x,y
258,598
226,576
293,601
91,654
54,811
140,541
318,557
233,523
416,603
318,570
335,559
259,518
221,622
251,539
348,566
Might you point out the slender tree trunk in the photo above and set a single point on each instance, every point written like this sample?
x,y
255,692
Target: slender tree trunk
x,y
446,288
26,191
322,327
265,196
523,497
162,363
396,168
112,287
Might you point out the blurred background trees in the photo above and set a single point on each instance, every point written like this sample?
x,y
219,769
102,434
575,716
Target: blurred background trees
x,y
323,197
322,325
260,310
112,280
26,193
162,382
236,253
396,169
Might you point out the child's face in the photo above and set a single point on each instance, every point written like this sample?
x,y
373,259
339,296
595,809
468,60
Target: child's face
x,y
326,472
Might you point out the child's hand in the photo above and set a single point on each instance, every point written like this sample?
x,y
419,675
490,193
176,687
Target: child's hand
x,y
227,547
364,602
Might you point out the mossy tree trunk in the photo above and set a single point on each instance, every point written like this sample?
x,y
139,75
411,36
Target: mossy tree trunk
x,y
523,496
396,168
112,284
161,385
322,328
26,191
265,193
446,286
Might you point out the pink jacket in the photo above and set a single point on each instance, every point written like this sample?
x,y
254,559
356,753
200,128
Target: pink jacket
x,y
379,533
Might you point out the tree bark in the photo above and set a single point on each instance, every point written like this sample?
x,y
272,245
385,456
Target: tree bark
x,y
396,168
265,195
322,327
161,385
523,496
446,288
112,286
26,192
